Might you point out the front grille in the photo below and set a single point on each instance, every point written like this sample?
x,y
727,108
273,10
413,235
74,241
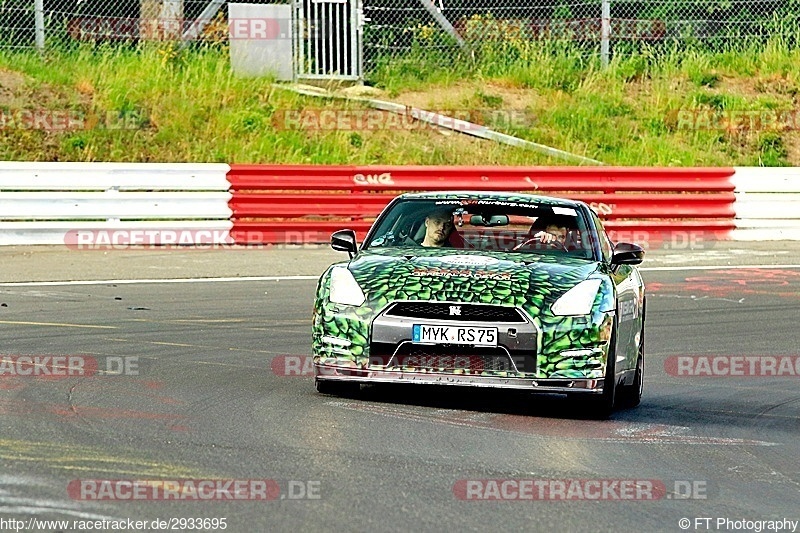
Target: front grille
x,y
449,311
383,353
447,358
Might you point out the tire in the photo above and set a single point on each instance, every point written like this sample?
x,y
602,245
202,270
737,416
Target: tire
x,y
631,395
336,388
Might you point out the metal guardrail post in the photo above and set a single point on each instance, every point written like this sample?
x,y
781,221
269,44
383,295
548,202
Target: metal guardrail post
x,y
38,8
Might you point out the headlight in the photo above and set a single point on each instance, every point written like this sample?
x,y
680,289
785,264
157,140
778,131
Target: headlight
x,y
344,288
578,300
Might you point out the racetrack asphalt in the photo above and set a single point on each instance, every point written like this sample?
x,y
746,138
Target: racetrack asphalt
x,y
59,263
209,396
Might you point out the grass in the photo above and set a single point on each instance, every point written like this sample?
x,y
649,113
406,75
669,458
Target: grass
x,y
654,107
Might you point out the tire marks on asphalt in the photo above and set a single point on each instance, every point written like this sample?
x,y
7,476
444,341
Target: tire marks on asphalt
x,y
608,431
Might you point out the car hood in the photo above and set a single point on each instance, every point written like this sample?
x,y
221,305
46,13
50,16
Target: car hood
x,y
530,280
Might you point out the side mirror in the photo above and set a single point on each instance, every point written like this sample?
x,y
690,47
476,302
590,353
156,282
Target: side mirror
x,y
344,241
626,253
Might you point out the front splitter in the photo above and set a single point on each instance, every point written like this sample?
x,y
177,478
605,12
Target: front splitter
x,y
549,385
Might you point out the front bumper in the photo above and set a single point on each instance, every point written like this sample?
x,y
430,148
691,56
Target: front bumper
x,y
547,385
548,354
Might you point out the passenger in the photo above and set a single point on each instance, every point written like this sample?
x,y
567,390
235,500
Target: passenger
x,y
438,228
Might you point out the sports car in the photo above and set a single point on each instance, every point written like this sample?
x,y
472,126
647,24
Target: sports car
x,y
484,289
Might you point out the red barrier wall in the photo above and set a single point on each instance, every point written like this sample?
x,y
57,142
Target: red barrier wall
x,y
306,203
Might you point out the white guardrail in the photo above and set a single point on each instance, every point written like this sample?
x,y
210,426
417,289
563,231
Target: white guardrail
x,y
767,203
44,203
48,203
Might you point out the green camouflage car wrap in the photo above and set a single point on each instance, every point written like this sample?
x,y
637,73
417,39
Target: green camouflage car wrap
x,y
341,333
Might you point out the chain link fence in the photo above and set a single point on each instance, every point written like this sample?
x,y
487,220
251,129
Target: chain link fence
x,y
41,23
442,30
596,27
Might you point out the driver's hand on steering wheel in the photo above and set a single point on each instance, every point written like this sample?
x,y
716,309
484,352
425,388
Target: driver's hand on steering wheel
x,y
545,237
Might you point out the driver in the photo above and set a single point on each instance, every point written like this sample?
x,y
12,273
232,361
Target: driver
x,y
552,233
553,229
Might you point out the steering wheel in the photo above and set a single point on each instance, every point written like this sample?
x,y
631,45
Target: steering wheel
x,y
554,244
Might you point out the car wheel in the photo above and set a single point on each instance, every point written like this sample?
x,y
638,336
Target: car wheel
x,y
631,395
601,406
336,388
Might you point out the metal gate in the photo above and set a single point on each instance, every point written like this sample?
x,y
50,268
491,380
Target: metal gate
x,y
328,39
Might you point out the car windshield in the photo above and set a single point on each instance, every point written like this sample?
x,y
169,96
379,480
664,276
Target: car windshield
x,y
484,224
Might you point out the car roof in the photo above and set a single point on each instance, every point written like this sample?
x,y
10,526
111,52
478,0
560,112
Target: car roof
x,y
491,195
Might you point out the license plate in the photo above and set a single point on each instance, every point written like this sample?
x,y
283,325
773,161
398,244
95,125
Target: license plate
x,y
427,334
